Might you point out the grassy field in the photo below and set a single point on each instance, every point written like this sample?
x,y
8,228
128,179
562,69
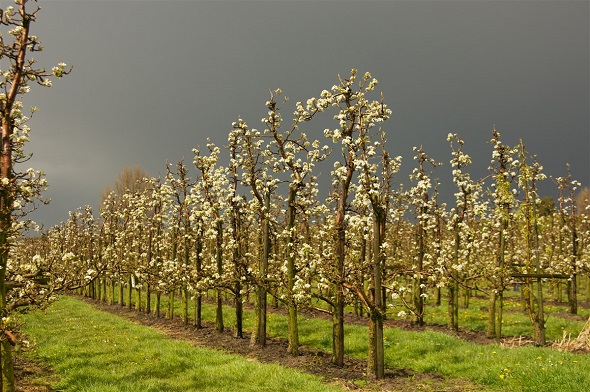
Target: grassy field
x,y
516,322
99,352
493,366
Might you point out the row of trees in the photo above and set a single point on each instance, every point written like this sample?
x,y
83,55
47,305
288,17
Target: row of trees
x,y
257,228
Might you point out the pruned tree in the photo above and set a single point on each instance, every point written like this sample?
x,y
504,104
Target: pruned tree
x,y
257,176
357,115
295,154
237,203
376,170
210,194
182,231
18,189
568,215
503,170
421,198
461,247
529,177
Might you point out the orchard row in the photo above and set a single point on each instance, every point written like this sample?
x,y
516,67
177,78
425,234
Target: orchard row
x,y
256,227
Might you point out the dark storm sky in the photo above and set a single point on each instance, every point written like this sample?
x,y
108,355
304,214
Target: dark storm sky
x,y
154,79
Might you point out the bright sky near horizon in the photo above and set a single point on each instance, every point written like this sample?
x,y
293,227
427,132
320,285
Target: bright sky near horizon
x,y
153,79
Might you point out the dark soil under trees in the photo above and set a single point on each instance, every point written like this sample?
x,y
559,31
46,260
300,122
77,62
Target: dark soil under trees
x,y
33,376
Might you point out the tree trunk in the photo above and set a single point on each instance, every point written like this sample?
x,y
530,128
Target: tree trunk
x,y
219,326
491,327
573,299
148,299
376,312
338,329
259,334
185,306
6,350
358,305
112,292
338,308
499,313
523,298
239,329
170,312
539,317
293,347
573,293
219,261
158,304
466,297
138,299
371,349
198,312
338,285
418,279
494,328
7,364
199,299
453,305
539,332
454,286
130,293
121,294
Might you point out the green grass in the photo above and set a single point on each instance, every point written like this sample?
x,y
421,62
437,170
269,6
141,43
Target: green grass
x,y
97,351
513,369
491,366
515,321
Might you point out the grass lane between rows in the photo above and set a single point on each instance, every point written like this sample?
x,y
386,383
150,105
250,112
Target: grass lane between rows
x,y
97,351
72,334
